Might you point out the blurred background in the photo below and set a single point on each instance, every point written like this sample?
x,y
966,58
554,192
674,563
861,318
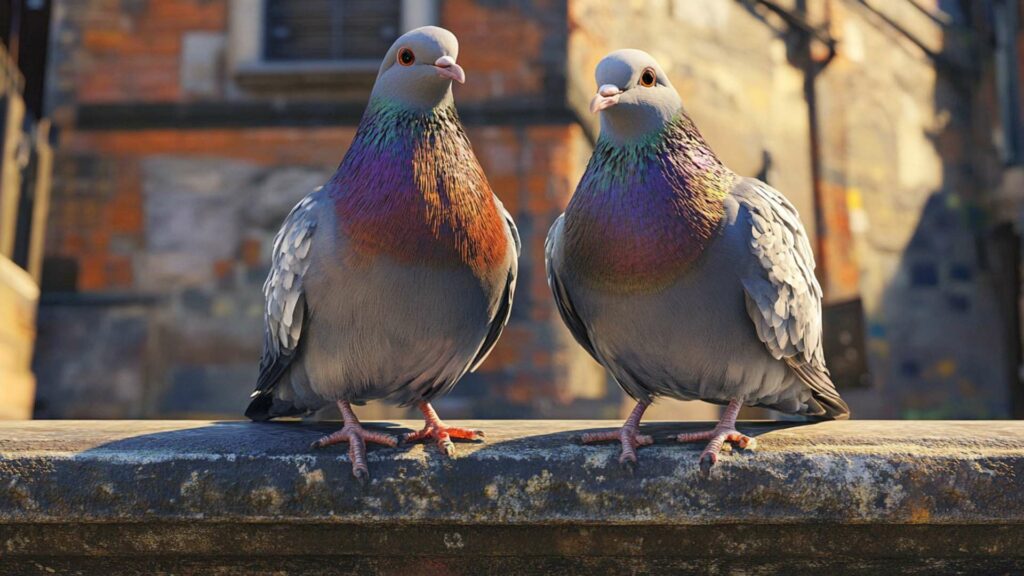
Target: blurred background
x,y
151,148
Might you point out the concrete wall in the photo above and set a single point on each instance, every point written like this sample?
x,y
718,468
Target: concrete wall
x,y
238,498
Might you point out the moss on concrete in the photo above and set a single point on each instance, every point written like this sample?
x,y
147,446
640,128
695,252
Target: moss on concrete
x,y
913,491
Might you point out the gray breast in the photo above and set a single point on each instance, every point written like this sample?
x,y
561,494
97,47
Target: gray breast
x,y
694,339
382,329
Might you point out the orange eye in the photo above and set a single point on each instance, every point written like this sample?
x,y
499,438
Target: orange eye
x,y
406,57
648,77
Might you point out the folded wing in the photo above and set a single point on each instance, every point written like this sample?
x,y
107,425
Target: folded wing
x,y
285,311
783,296
505,308
562,299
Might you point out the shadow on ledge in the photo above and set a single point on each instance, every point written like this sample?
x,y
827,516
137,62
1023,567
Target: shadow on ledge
x,y
817,495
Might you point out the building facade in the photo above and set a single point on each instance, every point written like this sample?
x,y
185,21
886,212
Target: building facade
x,y
188,129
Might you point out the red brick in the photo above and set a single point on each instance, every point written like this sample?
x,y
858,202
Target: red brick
x,y
252,252
119,273
223,268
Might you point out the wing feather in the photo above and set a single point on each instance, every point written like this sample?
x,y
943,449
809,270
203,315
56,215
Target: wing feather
x,y
563,302
285,311
504,311
783,295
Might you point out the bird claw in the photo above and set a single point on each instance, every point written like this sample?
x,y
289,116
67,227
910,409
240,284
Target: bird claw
x,y
628,465
441,432
447,447
629,437
721,439
707,460
356,436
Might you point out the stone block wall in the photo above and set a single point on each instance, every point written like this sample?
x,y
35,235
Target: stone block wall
x,y
240,498
908,173
905,176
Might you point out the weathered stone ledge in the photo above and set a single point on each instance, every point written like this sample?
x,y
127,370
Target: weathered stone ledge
x,y
188,497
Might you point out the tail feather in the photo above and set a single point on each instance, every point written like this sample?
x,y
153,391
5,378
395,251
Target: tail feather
x,y
259,408
263,408
822,389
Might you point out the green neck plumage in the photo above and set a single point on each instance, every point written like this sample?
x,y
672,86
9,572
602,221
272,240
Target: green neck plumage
x,y
645,210
388,124
678,148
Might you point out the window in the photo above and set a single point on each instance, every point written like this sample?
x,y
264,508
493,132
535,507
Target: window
x,y
330,29
280,45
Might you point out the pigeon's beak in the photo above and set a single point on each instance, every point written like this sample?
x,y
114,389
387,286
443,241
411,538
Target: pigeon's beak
x,y
606,97
447,68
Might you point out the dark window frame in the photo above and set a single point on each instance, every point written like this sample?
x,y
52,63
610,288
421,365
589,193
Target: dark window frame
x,y
334,39
253,73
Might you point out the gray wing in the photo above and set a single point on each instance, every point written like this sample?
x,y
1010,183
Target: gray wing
x,y
783,296
562,301
504,311
286,302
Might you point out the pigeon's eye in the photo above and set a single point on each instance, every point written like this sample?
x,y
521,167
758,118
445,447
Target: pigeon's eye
x,y
648,77
406,57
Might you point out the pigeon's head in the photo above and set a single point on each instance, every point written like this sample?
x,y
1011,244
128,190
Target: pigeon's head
x,y
419,68
634,96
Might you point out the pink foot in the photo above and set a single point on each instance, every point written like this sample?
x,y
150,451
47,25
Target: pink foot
x,y
356,436
442,433
724,432
629,436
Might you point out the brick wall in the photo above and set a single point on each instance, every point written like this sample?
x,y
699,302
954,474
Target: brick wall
x,y
185,214
125,51
173,175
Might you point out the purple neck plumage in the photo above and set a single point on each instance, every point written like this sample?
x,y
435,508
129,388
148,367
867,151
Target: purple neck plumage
x,y
410,187
644,212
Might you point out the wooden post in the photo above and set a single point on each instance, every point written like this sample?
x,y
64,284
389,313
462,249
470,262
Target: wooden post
x,y
41,199
10,171
19,296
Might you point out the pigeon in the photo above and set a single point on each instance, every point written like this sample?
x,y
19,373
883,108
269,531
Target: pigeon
x,y
396,277
682,278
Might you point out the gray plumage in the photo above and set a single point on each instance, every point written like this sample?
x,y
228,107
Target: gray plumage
x,y
394,331
351,318
742,321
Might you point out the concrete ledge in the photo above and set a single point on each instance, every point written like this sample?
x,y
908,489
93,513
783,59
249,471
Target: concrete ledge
x,y
192,497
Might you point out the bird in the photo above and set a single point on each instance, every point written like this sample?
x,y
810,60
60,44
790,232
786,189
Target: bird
x,y
682,278
396,277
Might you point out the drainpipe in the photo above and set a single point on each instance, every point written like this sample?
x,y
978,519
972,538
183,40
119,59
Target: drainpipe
x,y
813,61
1005,22
1006,237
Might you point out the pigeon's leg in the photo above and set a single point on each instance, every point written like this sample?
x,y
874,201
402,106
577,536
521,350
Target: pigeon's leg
x,y
724,432
356,436
442,433
629,436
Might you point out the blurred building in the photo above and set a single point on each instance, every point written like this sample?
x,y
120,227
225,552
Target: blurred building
x,y
190,127
26,160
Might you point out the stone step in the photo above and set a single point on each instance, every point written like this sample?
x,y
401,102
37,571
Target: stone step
x,y
246,498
